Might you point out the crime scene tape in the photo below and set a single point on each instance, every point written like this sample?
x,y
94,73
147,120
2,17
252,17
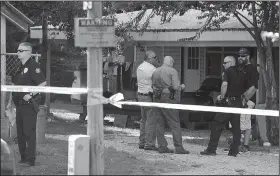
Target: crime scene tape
x,y
47,89
117,100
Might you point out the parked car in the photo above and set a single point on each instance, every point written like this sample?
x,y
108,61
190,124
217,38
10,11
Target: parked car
x,y
205,95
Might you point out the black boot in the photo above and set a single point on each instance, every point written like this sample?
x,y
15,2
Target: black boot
x,y
22,160
29,163
207,152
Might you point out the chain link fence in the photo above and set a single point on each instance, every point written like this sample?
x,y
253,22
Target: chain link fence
x,y
9,65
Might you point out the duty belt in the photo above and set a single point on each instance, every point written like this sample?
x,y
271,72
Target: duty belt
x,y
234,97
144,94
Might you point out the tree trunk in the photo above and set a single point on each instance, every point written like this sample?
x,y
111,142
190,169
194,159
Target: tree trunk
x,y
271,103
271,98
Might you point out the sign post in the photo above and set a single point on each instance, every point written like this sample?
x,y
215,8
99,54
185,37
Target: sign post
x,y
94,33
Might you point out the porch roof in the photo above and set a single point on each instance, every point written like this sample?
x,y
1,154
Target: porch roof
x,y
188,22
15,16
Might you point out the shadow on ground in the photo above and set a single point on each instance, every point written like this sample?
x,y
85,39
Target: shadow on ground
x,y
200,137
52,156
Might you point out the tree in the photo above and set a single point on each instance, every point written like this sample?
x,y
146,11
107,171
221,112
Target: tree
x,y
264,17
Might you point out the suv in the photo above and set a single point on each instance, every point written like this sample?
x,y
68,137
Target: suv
x,y
205,95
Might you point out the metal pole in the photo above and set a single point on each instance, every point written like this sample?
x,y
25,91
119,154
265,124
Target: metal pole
x,y
48,76
95,113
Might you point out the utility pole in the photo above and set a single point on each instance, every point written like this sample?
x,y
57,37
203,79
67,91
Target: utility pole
x,y
95,112
48,76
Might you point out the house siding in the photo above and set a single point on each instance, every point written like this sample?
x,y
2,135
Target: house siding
x,y
202,62
161,52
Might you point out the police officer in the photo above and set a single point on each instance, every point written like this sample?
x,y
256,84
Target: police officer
x,y
252,76
232,88
29,73
165,82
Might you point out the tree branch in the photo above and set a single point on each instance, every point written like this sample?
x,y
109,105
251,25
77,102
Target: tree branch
x,y
244,17
257,32
265,15
202,29
272,16
259,3
246,27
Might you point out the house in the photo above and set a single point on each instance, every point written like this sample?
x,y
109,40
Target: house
x,y
194,60
14,16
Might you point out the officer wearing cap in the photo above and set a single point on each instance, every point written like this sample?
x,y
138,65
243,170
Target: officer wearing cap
x,y
166,81
232,88
144,79
252,75
28,74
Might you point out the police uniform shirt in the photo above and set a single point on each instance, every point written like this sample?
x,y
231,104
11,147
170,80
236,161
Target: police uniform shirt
x,y
164,77
235,80
252,77
27,74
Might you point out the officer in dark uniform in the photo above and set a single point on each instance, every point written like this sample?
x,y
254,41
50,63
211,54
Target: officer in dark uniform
x,y
26,109
252,77
232,88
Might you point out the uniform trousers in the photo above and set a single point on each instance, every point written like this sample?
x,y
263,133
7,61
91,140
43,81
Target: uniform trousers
x,y
218,124
26,119
171,117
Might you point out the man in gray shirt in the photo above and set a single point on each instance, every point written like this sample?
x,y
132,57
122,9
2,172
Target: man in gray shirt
x,y
165,83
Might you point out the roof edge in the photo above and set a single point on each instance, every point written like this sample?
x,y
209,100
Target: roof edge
x,y
190,30
14,9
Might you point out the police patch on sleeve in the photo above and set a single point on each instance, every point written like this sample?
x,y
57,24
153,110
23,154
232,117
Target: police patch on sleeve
x,y
37,70
25,70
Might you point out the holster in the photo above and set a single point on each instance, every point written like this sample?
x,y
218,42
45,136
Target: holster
x,y
233,101
35,102
151,95
157,93
172,93
35,105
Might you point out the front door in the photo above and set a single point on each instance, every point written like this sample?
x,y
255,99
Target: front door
x,y
191,65
213,64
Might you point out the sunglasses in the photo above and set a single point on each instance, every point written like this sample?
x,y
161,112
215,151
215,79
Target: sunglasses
x,y
225,62
242,56
20,51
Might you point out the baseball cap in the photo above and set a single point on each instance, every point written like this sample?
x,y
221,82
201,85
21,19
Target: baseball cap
x,y
243,51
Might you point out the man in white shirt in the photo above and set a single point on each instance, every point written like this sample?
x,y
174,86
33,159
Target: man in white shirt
x,y
148,124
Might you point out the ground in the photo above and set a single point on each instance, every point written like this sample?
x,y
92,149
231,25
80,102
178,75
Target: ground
x,y
122,156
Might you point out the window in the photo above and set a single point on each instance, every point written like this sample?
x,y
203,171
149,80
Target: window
x,y
193,58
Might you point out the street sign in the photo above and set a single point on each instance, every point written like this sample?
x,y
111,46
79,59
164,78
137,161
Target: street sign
x,y
94,32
